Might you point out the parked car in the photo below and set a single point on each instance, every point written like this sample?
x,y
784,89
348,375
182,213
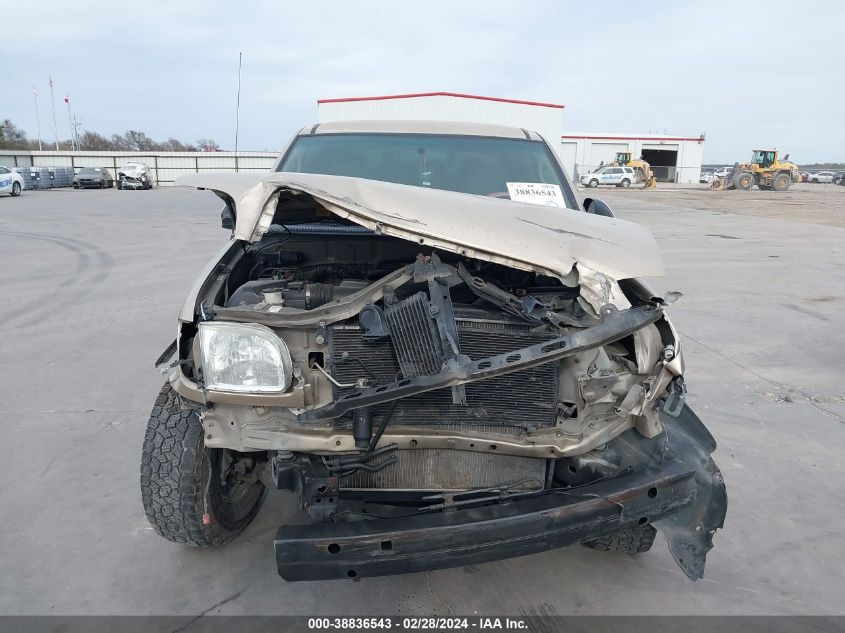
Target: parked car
x,y
821,177
98,177
706,177
10,182
722,172
134,176
435,395
618,176
839,178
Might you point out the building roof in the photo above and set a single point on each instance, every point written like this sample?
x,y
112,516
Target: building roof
x,y
442,94
632,137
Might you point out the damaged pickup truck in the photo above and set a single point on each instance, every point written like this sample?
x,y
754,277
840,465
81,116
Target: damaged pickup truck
x,y
418,330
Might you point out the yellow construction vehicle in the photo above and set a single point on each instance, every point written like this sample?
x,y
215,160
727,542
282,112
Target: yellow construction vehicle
x,y
765,170
640,167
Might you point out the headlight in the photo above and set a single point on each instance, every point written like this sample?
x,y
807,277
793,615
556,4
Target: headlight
x,y
243,357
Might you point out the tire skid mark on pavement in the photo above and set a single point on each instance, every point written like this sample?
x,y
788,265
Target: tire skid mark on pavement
x,y
93,266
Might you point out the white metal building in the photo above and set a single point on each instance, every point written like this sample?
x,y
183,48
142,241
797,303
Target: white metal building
x,y
673,158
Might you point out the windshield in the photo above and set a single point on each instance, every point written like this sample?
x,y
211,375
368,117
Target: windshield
x,y
763,158
466,164
90,171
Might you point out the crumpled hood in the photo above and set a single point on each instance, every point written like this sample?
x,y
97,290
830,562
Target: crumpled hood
x,y
521,235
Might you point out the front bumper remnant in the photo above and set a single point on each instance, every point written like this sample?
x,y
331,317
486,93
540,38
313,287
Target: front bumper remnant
x,y
670,481
490,532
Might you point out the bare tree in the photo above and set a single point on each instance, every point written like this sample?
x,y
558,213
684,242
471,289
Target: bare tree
x,y
93,142
119,143
139,141
208,145
11,136
175,145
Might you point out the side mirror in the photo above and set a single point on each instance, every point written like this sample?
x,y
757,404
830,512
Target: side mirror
x,y
227,218
598,207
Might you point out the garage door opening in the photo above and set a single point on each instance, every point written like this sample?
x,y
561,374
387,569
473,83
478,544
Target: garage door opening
x,y
663,163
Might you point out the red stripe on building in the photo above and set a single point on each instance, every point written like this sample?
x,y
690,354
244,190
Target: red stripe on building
x,y
442,94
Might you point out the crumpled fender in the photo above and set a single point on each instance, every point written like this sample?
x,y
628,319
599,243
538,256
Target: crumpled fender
x,y
690,532
685,438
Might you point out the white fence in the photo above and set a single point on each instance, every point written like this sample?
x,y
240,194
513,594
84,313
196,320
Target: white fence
x,y
165,166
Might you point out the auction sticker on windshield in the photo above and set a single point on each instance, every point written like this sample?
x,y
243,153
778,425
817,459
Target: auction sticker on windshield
x,y
536,193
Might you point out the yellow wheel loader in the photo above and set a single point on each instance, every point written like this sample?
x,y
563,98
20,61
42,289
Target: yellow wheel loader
x,y
641,167
765,170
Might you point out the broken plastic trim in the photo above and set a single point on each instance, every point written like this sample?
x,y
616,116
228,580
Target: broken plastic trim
x,y
165,356
613,326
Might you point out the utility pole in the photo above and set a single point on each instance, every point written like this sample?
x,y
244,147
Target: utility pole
x,y
55,125
76,132
37,117
73,145
238,105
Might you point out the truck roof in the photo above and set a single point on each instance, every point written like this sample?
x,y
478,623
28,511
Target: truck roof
x,y
419,127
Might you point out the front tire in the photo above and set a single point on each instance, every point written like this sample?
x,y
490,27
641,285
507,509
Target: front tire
x,y
593,183
744,181
16,189
192,494
781,182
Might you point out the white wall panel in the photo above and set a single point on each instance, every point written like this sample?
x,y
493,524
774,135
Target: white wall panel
x,y
175,161
604,153
210,161
569,157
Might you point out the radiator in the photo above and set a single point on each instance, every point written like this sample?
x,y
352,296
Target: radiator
x,y
524,399
447,469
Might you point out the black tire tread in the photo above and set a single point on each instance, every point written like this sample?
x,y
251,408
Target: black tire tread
x,y
174,467
636,540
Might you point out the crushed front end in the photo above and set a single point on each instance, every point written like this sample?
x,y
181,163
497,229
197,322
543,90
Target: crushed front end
x,y
432,408
134,176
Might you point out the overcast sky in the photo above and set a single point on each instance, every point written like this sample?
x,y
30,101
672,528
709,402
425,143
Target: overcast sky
x,y
747,74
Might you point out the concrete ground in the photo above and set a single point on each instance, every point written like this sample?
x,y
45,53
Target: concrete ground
x,y
92,281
